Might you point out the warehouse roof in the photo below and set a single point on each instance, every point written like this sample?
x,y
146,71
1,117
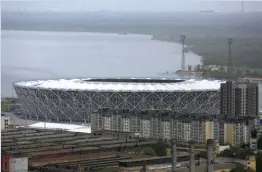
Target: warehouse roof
x,y
124,85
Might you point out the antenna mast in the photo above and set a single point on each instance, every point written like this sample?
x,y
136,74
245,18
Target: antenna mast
x,y
183,61
229,68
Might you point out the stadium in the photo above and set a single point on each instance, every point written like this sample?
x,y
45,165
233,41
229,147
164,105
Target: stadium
x,y
74,99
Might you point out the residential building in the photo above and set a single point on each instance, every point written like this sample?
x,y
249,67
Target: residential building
x,y
236,134
221,132
197,131
180,130
239,99
216,129
155,122
5,122
212,130
242,135
229,133
115,121
135,123
166,128
145,126
125,123
160,125
106,119
186,136
209,128
96,121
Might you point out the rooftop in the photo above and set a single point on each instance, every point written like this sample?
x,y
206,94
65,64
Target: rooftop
x,y
124,85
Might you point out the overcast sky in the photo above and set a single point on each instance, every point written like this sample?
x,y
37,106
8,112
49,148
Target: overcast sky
x,y
128,5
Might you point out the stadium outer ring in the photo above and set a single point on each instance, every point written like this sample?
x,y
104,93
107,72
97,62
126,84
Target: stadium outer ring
x,y
76,105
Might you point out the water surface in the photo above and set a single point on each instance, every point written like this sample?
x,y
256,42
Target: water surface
x,y
28,55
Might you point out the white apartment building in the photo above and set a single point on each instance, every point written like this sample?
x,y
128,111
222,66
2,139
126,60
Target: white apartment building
x,y
135,125
197,131
236,133
115,122
145,128
155,122
166,129
125,124
160,126
186,136
241,134
96,121
107,123
177,129
5,122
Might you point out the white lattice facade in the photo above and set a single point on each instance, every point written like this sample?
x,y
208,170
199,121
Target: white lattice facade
x,y
77,105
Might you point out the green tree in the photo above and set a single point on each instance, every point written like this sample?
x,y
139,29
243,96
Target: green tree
x,y
254,133
5,107
259,143
148,151
259,162
238,169
160,148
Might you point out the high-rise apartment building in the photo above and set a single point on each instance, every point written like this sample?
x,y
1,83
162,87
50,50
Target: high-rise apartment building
x,y
145,126
166,128
239,98
198,133
211,130
236,134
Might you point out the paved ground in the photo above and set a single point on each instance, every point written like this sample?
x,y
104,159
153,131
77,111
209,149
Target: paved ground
x,y
18,121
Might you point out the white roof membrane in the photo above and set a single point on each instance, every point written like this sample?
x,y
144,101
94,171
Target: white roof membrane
x,y
68,127
85,84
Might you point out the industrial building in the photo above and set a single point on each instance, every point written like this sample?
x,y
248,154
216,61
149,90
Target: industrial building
x,y
33,150
74,99
27,149
155,124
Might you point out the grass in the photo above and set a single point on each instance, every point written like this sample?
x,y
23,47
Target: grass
x,y
109,169
5,107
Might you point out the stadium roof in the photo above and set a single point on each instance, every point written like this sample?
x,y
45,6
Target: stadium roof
x,y
124,85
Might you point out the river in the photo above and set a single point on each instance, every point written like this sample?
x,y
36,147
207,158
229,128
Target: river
x,y
28,55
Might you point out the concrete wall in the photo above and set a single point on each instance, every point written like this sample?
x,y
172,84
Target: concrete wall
x,y
5,122
18,164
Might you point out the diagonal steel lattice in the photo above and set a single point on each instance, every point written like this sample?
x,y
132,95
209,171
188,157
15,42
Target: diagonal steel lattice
x,y
77,105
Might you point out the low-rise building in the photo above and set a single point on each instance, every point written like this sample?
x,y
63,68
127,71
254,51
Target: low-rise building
x,y
5,122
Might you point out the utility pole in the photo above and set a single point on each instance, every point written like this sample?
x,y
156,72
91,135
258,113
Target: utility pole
x,y
183,61
229,67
